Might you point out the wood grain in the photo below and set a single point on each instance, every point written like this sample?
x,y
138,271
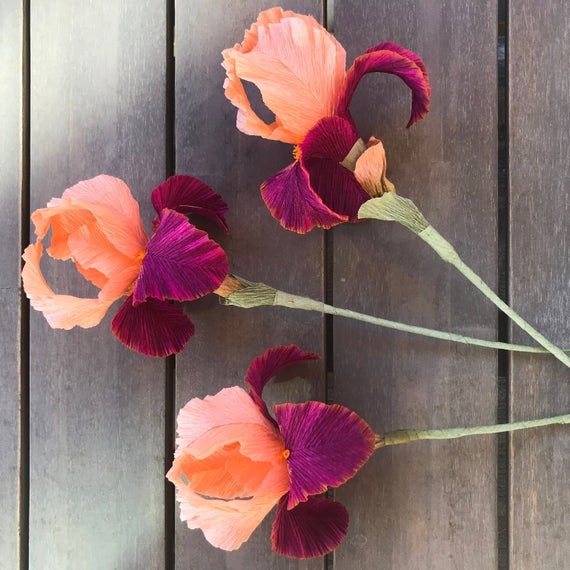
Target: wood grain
x,y
11,42
426,505
97,409
539,48
209,146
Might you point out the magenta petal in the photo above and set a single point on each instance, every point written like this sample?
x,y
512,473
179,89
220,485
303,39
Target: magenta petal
x,y
397,61
311,529
181,262
154,328
323,149
188,195
292,202
267,365
328,444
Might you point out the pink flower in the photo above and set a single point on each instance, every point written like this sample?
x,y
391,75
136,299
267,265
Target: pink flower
x,y
299,69
234,463
97,225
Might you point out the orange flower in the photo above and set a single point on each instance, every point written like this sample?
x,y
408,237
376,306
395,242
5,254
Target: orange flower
x,y
299,68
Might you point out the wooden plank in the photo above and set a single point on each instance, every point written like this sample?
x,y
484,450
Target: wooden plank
x,y
426,505
11,42
209,146
97,409
540,272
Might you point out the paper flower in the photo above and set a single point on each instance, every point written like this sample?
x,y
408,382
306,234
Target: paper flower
x,y
97,225
299,69
234,463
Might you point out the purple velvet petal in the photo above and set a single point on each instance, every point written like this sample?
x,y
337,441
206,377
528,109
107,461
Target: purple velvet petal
x,y
397,61
181,262
292,202
188,195
154,328
328,444
311,529
267,365
325,146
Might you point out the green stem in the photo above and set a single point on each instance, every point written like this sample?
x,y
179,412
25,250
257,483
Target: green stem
x,y
392,207
406,436
247,295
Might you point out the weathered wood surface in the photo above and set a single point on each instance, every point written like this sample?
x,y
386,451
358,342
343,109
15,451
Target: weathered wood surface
x,y
11,43
539,49
209,146
97,425
428,505
97,409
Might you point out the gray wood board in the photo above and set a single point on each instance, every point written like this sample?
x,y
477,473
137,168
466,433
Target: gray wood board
x,y
429,504
97,409
209,146
11,43
539,49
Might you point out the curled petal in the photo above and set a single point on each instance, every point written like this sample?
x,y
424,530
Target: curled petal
x,y
116,211
60,311
294,204
225,524
155,328
181,262
229,406
389,58
188,195
322,152
313,528
91,249
297,65
370,169
267,365
328,444
229,468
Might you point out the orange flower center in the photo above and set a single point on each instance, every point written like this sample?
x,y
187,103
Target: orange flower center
x,y
297,152
286,453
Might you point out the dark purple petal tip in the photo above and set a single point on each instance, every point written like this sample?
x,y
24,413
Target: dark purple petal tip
x,y
155,328
328,444
181,262
267,365
294,204
189,195
313,528
396,60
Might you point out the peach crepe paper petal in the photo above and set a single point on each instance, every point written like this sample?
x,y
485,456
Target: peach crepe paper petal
x,y
229,406
229,468
96,223
298,67
60,311
116,211
370,169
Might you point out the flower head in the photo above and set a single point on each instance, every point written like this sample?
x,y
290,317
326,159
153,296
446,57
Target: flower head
x,y
97,225
234,462
299,69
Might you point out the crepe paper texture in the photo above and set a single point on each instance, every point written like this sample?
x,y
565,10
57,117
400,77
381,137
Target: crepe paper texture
x,y
395,208
97,225
299,68
239,292
235,462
